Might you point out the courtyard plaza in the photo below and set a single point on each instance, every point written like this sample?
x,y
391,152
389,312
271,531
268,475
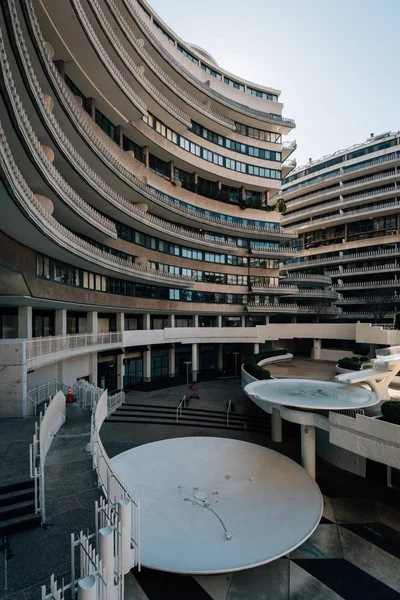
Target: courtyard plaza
x,y
354,552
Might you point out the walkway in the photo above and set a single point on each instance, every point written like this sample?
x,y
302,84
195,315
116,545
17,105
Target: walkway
x,y
304,368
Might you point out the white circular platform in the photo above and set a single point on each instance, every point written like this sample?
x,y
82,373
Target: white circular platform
x,y
215,505
311,394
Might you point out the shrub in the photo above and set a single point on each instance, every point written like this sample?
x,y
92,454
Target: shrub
x,y
352,363
391,411
252,368
367,365
396,321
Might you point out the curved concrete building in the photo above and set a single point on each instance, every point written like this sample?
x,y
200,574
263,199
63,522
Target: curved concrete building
x,y
345,208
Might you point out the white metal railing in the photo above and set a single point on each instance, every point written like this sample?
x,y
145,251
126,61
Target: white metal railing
x,y
179,410
49,423
43,346
367,284
342,214
228,412
345,257
45,391
86,394
351,270
115,401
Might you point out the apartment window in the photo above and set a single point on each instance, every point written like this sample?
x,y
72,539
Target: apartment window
x,y
235,84
159,166
188,55
77,92
263,95
128,144
106,125
211,72
169,38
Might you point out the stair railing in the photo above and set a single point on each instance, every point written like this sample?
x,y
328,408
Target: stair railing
x,y
180,408
228,411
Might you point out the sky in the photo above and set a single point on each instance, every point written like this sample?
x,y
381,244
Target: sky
x,y
335,61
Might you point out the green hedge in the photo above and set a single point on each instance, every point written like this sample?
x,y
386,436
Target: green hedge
x,y
353,363
252,368
391,411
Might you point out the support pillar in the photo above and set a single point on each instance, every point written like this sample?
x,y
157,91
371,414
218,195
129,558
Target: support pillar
x,y
147,365
171,171
195,320
293,319
276,425
125,520
171,321
91,103
119,135
145,154
146,321
106,555
24,322
121,322
92,321
316,351
308,449
267,319
120,371
219,321
256,348
61,322
220,357
243,321
195,361
93,368
171,361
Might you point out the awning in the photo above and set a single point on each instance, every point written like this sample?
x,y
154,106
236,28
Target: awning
x,y
111,352
137,349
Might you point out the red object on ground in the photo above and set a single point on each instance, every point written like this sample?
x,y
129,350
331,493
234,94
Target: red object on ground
x,y
69,395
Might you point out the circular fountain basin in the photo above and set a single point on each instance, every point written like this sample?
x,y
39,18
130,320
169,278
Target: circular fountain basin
x,y
214,505
311,394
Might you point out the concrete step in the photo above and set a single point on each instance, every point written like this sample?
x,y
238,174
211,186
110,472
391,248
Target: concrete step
x,y
20,523
193,410
18,483
17,496
186,423
193,414
17,509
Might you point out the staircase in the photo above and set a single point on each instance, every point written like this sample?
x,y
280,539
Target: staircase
x,y
191,416
17,506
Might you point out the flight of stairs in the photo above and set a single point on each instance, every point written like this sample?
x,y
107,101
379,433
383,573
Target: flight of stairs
x,y
191,416
17,506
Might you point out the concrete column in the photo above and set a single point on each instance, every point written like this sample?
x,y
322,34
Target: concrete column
x,y
93,368
121,321
195,179
125,519
61,322
195,320
14,379
171,170
171,360
119,135
219,321
147,365
24,322
92,321
91,102
256,348
145,154
293,319
220,357
171,321
195,361
308,449
276,425
243,321
267,319
120,371
146,321
316,350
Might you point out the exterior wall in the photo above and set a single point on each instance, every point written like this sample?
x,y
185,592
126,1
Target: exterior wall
x,y
14,401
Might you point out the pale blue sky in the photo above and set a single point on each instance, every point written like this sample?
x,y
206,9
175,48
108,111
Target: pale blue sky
x,y
336,61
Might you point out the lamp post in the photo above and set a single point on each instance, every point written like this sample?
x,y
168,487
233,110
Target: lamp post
x,y
187,363
236,354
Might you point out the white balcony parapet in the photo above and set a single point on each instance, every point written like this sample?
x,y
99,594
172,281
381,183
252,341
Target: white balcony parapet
x,y
81,121
367,284
355,270
366,209
147,58
278,289
65,191
293,308
126,58
357,167
54,230
369,300
306,277
267,251
204,87
48,346
345,258
290,145
317,293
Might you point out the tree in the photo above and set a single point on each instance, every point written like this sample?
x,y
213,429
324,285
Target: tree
x,y
379,306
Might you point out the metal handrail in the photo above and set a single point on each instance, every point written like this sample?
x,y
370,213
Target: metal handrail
x,y
180,408
228,411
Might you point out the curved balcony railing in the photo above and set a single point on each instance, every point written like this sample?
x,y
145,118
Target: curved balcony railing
x,y
368,300
367,284
43,346
57,182
344,258
109,65
166,79
203,86
351,169
355,270
294,308
54,230
342,201
127,59
87,129
366,209
279,289
331,294
306,277
267,251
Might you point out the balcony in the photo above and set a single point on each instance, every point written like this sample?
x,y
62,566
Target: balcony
x,y
293,309
343,258
288,148
267,252
387,207
357,285
288,166
306,278
279,289
48,350
328,294
369,300
362,270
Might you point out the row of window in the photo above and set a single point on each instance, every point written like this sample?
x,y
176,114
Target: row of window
x,y
54,270
220,278
208,155
220,140
259,134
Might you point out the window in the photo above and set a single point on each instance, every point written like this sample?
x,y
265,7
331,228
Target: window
x,y
235,84
263,95
211,71
169,38
109,128
188,55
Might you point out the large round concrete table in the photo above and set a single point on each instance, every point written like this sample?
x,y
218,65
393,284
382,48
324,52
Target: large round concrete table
x,y
307,394
214,505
